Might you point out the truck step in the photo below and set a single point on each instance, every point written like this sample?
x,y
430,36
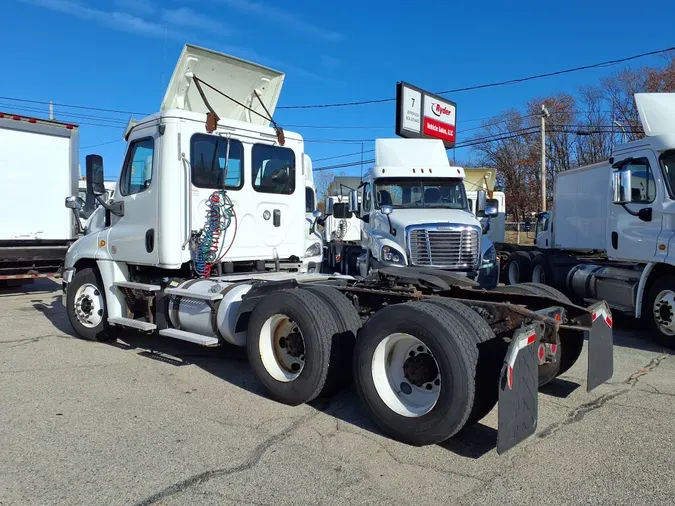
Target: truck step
x,y
181,292
138,286
190,336
131,323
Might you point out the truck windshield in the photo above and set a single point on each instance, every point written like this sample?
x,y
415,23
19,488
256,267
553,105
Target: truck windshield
x,y
426,193
668,166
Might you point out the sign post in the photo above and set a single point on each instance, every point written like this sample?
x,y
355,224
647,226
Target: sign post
x,y
424,115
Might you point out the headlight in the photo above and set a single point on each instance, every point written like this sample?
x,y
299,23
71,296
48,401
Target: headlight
x,y
314,250
490,257
392,255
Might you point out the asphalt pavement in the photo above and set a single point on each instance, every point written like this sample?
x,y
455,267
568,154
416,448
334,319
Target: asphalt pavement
x,y
150,420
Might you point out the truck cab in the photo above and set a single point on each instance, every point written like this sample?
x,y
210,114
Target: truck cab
x,y
191,176
415,213
313,257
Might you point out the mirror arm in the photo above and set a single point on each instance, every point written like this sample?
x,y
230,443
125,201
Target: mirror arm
x,y
80,228
392,230
117,208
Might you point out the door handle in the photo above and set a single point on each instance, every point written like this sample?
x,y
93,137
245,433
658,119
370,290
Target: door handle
x,y
277,218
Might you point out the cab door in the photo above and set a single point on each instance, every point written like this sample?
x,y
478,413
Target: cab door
x,y
630,236
132,238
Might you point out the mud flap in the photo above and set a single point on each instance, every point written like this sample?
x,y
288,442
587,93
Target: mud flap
x,y
600,346
518,388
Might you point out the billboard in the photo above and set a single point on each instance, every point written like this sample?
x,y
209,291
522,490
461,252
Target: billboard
x,y
424,115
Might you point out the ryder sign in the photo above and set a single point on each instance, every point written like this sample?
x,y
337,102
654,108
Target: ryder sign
x,y
420,114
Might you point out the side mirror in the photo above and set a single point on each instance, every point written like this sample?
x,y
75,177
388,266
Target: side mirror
x,y
354,201
317,214
621,186
387,210
74,203
491,208
94,164
481,201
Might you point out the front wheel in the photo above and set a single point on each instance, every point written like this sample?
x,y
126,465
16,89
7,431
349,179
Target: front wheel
x,y
659,310
86,307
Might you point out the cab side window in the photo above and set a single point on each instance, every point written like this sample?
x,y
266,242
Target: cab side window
x,y
137,170
309,200
643,187
273,169
366,198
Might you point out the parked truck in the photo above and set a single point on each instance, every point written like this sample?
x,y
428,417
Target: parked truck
x,y
415,212
312,260
38,166
341,234
612,225
202,240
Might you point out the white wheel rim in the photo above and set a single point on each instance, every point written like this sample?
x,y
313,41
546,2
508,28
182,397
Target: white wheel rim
x,y
89,305
514,273
538,275
664,312
282,348
404,376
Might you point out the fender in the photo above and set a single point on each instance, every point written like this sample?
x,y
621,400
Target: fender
x,y
112,272
644,277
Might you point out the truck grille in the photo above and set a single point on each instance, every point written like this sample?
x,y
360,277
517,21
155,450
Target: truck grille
x,y
450,249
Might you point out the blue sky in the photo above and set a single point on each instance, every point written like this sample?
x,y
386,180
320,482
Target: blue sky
x,y
119,54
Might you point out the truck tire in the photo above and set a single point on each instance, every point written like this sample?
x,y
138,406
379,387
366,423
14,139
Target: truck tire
x,y
541,270
349,323
659,311
289,343
518,268
403,355
550,370
491,353
86,307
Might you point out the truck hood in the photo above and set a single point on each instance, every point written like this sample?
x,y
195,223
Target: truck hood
x,y
234,77
402,218
657,111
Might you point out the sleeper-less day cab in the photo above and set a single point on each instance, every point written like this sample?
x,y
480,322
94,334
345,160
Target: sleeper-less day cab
x,y
204,241
610,232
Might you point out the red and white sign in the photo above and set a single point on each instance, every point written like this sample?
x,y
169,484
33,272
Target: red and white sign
x,y
423,115
439,119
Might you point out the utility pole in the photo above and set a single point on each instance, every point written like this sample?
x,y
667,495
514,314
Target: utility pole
x,y
544,114
51,110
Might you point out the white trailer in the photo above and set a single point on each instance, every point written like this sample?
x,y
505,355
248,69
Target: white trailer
x,y
609,233
38,167
203,242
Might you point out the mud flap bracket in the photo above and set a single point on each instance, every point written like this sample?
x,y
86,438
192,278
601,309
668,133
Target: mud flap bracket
x,y
518,388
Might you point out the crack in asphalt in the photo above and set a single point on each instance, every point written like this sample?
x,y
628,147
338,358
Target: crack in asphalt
x,y
652,365
23,341
250,462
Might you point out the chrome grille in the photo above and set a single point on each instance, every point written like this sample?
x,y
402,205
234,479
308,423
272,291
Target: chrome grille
x,y
451,249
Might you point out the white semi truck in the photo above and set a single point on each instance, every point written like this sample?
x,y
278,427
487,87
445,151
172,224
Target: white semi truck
x,y
612,226
415,213
312,260
38,166
202,241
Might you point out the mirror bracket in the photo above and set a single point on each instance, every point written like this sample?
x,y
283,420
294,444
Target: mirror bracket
x,y
116,207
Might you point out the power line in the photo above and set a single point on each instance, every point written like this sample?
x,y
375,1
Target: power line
x,y
116,111
489,85
101,144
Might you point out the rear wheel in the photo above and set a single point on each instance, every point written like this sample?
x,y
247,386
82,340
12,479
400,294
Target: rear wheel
x,y
491,352
342,348
518,268
86,307
289,344
541,270
659,310
414,371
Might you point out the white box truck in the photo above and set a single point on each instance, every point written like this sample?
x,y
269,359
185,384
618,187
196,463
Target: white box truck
x,y
200,242
342,236
612,225
38,168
